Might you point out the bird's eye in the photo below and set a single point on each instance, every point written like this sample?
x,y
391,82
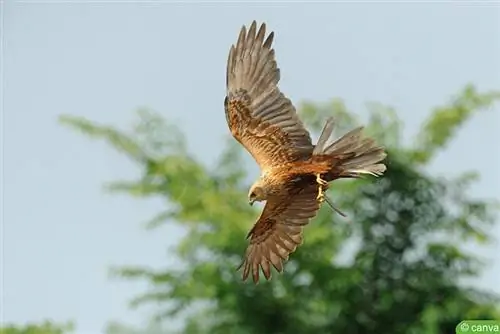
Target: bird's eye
x,y
252,195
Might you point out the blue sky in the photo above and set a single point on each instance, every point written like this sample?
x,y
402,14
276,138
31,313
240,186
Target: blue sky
x,y
104,60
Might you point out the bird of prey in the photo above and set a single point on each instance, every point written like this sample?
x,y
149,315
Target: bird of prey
x,y
294,172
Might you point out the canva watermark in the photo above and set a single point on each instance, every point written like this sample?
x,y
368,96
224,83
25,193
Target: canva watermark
x,y
478,326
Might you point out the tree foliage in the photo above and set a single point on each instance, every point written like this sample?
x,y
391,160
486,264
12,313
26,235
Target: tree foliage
x,y
114,327
402,275
46,327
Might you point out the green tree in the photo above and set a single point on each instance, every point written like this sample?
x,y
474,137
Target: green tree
x,y
114,327
403,274
46,327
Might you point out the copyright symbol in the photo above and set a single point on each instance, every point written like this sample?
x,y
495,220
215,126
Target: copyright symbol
x,y
464,327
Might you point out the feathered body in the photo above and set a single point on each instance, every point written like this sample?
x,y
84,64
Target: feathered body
x,y
294,172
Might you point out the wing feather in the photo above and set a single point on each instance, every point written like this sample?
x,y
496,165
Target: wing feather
x,y
278,231
259,116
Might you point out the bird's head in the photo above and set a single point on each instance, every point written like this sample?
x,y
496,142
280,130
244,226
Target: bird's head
x,y
257,193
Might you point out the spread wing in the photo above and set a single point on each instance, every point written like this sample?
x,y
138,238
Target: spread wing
x,y
259,116
278,231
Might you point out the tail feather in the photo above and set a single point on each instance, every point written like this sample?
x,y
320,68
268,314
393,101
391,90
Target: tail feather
x,y
351,155
375,170
365,145
345,142
326,133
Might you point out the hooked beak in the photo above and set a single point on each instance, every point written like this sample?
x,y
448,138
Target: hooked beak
x,y
250,201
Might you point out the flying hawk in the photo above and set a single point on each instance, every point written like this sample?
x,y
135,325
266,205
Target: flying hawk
x,y
294,172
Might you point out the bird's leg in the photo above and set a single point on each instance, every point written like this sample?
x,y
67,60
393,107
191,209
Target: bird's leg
x,y
321,195
320,180
322,183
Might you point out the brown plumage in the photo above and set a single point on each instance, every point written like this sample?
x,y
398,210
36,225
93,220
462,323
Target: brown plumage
x,y
294,172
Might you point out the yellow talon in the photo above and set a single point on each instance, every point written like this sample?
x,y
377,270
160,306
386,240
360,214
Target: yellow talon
x,y
321,196
321,182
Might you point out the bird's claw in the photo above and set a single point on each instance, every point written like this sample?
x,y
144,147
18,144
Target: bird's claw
x,y
321,182
321,196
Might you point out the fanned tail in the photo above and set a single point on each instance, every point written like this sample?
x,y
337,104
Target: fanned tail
x,y
351,155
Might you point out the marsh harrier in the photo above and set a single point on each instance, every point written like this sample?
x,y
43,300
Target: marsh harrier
x,y
294,172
